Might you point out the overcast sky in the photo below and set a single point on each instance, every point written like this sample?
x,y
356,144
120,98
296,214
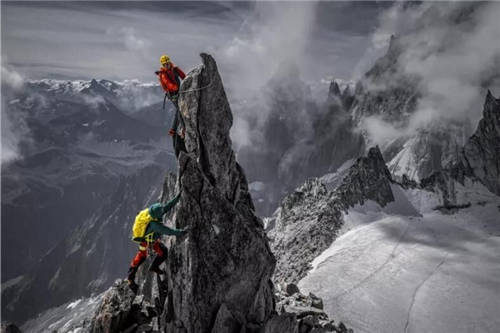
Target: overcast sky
x,y
124,40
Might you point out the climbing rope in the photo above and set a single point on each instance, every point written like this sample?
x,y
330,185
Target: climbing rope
x,y
186,91
197,89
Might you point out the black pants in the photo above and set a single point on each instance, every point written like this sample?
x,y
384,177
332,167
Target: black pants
x,y
177,140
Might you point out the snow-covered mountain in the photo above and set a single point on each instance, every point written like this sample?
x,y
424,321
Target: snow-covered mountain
x,y
417,116
79,157
128,95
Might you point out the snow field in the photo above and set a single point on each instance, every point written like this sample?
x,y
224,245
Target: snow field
x,y
409,268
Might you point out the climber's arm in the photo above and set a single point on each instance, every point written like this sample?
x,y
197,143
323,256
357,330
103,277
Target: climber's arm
x,y
180,72
160,228
170,204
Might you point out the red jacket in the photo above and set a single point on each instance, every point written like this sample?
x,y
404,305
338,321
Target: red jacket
x,y
169,78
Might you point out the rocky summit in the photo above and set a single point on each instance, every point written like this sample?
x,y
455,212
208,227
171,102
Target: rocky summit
x,y
220,272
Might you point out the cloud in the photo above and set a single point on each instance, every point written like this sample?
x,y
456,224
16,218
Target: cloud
x,y
454,50
130,40
275,33
11,81
379,131
273,37
455,62
12,78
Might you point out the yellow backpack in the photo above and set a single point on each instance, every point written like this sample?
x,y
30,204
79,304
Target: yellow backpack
x,y
140,225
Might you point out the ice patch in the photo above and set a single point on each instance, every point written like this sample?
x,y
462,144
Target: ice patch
x,y
404,162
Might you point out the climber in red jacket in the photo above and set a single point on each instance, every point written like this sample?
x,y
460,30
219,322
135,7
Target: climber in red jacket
x,y
170,78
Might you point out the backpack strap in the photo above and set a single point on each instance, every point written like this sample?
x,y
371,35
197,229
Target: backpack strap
x,y
149,238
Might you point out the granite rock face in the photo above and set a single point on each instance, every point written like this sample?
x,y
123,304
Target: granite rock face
x,y
384,91
309,219
220,271
481,154
367,179
300,313
478,159
114,314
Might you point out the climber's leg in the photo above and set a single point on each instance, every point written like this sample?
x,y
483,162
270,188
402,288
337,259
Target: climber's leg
x,y
161,256
134,265
177,138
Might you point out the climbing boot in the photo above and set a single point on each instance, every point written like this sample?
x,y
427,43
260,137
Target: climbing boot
x,y
131,273
133,286
131,279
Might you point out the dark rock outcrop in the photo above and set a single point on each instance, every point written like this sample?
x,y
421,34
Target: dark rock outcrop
x,y
480,157
367,179
115,312
309,219
301,313
9,328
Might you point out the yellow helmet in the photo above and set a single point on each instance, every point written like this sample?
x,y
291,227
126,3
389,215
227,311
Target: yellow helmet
x,y
164,59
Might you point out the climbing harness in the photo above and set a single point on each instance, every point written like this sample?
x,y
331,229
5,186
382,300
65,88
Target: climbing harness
x,y
149,240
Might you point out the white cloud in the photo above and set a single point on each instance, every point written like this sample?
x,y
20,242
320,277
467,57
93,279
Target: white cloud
x,y
278,33
12,78
275,35
378,131
129,38
454,48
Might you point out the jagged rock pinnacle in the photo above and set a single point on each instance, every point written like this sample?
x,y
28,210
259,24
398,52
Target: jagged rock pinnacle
x,y
220,272
480,157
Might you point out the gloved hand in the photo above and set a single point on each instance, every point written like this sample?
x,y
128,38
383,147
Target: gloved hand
x,y
171,132
157,72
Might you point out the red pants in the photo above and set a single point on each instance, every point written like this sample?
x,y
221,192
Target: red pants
x,y
142,254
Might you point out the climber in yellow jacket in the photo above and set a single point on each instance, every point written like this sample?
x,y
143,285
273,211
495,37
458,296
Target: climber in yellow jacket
x,y
148,229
